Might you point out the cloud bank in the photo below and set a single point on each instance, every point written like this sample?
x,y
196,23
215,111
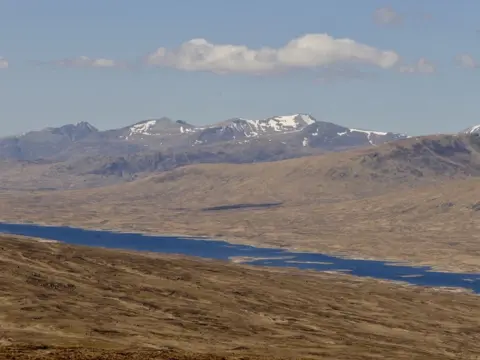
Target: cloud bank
x,y
84,61
306,52
3,63
387,16
330,58
422,66
467,61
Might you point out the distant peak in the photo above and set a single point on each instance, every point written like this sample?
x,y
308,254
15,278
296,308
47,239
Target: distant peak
x,y
85,125
472,130
160,126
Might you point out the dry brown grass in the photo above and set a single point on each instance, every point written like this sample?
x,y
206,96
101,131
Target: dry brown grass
x,y
59,295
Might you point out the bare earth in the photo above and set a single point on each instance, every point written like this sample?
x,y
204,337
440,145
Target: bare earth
x,y
120,305
331,204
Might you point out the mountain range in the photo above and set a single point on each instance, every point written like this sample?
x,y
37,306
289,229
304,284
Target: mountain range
x,y
298,130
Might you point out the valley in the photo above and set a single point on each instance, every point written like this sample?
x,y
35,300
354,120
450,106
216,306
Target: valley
x,y
413,200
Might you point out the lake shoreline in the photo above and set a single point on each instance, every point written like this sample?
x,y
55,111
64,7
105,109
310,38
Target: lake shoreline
x,y
243,241
246,261
247,254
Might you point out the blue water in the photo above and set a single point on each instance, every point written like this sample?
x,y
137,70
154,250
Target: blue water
x,y
221,250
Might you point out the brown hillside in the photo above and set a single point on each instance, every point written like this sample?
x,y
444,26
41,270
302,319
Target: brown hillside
x,y
58,295
405,162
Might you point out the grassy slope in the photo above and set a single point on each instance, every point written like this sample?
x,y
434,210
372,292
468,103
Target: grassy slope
x,y
52,294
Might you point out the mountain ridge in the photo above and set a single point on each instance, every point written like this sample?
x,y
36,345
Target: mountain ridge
x,y
296,130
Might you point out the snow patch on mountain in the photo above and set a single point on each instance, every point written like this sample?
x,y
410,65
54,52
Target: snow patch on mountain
x,y
275,124
142,128
280,123
163,126
370,134
184,130
473,130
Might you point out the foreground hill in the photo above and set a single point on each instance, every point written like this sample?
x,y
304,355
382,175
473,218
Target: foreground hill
x,y
95,300
415,200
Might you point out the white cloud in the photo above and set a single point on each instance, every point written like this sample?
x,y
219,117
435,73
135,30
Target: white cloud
x,y
422,66
305,52
84,61
3,63
387,16
467,61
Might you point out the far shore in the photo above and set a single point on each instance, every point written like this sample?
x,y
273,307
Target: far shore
x,y
392,261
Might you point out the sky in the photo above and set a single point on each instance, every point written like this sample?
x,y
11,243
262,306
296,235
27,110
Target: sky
x,y
410,66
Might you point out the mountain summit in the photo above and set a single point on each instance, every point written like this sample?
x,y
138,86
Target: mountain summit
x,y
162,126
240,128
74,131
472,130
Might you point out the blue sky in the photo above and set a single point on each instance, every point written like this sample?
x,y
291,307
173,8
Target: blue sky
x,y
387,90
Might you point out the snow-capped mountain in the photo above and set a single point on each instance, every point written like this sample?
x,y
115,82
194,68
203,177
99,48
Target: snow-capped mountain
x,y
239,128
162,126
328,135
300,133
472,130
301,128
274,124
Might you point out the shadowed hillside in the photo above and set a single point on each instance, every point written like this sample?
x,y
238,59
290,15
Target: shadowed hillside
x,y
443,155
408,161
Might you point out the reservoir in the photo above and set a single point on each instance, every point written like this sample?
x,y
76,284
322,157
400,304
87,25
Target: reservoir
x,y
221,250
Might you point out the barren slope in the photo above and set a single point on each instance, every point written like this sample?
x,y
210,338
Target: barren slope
x,y
52,294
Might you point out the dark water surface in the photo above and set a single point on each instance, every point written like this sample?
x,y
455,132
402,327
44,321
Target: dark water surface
x,y
221,250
